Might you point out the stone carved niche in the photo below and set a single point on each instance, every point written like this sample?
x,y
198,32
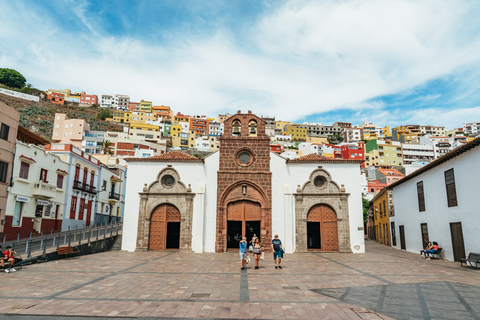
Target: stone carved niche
x,y
321,189
166,189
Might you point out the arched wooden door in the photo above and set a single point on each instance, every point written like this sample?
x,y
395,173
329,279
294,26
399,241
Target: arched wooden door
x,y
243,218
161,217
321,218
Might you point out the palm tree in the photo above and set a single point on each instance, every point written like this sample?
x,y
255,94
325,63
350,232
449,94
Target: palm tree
x,y
106,147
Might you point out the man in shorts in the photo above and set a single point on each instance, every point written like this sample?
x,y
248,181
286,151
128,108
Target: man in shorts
x,y
277,251
243,252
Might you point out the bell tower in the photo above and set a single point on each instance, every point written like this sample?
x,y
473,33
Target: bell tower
x,y
244,181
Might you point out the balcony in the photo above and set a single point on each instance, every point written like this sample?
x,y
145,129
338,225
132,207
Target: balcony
x,y
114,196
86,187
43,189
78,185
93,190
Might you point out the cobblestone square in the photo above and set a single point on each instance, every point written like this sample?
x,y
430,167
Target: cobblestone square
x,y
383,283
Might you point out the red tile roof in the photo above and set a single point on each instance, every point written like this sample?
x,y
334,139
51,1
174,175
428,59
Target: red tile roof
x,y
316,158
173,156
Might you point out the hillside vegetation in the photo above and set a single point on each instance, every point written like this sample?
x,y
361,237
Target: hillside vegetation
x,y
38,117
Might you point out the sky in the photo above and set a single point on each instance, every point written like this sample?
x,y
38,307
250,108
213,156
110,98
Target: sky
x,y
388,62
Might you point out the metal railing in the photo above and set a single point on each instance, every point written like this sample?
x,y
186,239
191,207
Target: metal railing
x,y
73,237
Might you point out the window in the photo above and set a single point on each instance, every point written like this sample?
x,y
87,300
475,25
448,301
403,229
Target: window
x,y
4,131
43,175
73,207
421,197
450,186
82,209
24,168
104,185
59,181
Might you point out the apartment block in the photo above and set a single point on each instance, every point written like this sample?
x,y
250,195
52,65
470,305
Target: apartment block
x,y
69,131
145,106
383,153
88,99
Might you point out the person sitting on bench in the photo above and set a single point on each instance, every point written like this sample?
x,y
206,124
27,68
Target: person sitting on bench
x,y
8,257
433,249
2,258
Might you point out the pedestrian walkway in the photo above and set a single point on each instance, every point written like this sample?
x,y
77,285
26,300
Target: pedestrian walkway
x,y
383,283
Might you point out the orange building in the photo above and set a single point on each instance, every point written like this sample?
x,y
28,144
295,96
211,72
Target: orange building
x,y
133,105
56,97
162,111
90,99
199,125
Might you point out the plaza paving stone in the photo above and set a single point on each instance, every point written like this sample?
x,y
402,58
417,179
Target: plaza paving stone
x,y
383,283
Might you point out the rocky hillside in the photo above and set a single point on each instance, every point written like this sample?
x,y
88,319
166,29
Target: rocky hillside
x,y
38,117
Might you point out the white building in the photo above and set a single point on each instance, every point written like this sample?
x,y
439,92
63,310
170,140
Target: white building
x,y
471,128
121,101
432,130
440,202
178,201
36,200
352,134
110,194
202,144
417,152
309,148
106,101
441,145
81,186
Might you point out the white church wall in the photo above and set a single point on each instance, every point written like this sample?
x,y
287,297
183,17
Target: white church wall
x,y
212,163
146,172
341,173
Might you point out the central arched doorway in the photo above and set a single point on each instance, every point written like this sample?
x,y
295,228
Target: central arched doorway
x,y
322,232
164,228
243,218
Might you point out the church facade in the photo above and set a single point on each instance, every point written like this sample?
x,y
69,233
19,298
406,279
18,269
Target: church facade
x,y
176,201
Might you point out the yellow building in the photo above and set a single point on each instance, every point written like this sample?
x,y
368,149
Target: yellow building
x,y
184,141
175,129
298,134
383,153
147,132
181,118
141,117
386,133
145,106
122,116
382,205
280,125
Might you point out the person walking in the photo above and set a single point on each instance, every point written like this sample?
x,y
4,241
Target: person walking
x,y
277,251
243,252
257,251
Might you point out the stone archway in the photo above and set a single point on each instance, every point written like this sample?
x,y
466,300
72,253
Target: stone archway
x,y
162,216
165,200
318,193
242,201
326,219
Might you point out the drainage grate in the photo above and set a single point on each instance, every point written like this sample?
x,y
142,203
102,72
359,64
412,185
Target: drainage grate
x,y
200,295
291,288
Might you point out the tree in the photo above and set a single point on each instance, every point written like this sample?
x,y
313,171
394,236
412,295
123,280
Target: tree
x,y
103,114
366,206
106,147
12,78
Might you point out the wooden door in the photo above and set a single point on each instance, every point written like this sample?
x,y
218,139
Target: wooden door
x,y
328,226
243,211
89,213
457,241
158,226
402,238
425,240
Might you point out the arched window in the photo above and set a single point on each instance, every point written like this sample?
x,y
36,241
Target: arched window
x,y
236,124
252,128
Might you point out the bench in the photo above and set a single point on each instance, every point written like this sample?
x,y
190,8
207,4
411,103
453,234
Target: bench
x,y
472,260
437,254
67,250
17,264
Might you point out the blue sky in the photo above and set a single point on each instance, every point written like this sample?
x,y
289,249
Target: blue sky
x,y
389,62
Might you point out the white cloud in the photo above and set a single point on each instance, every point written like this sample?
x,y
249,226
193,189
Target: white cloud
x,y
308,57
